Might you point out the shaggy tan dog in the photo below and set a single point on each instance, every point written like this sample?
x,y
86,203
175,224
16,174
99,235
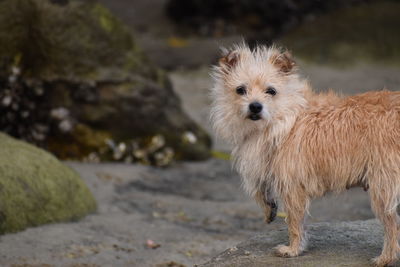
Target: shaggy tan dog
x,y
292,143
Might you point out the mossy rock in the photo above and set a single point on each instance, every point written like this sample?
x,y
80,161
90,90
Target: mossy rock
x,y
81,40
36,188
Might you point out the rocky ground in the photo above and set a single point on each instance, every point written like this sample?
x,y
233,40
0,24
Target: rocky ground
x,y
192,211
330,244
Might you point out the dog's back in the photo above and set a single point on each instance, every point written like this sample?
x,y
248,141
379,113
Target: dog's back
x,y
343,142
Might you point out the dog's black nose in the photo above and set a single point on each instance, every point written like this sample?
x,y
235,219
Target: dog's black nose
x,y
255,107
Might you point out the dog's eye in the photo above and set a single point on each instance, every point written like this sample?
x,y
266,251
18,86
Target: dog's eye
x,y
270,90
241,90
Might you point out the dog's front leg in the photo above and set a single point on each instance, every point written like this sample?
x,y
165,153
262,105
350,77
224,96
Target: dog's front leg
x,y
295,205
268,203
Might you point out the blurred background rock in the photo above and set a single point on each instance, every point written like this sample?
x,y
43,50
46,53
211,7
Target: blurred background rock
x,y
128,80
74,81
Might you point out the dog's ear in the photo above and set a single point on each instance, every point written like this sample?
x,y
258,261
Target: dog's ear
x,y
229,60
284,62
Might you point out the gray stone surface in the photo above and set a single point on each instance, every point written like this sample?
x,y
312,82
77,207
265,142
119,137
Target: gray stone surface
x,y
330,244
193,210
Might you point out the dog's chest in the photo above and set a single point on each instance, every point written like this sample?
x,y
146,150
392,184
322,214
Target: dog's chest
x,y
252,160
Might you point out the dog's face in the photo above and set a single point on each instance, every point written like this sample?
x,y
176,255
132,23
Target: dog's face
x,y
253,90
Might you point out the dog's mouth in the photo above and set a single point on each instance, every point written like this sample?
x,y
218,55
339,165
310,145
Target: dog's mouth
x,y
254,117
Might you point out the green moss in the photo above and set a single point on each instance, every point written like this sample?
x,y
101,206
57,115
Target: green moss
x,y
365,33
79,143
107,21
35,188
220,155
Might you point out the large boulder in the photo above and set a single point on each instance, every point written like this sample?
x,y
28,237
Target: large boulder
x,y
73,80
36,188
330,245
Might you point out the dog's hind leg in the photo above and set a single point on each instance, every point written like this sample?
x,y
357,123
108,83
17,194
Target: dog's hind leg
x,y
268,204
383,203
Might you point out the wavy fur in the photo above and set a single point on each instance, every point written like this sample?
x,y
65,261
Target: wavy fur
x,y
307,144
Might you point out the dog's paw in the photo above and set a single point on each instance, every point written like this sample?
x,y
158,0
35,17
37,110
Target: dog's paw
x,y
286,251
382,261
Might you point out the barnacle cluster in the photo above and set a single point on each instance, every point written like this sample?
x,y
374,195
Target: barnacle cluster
x,y
23,109
149,151
152,151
